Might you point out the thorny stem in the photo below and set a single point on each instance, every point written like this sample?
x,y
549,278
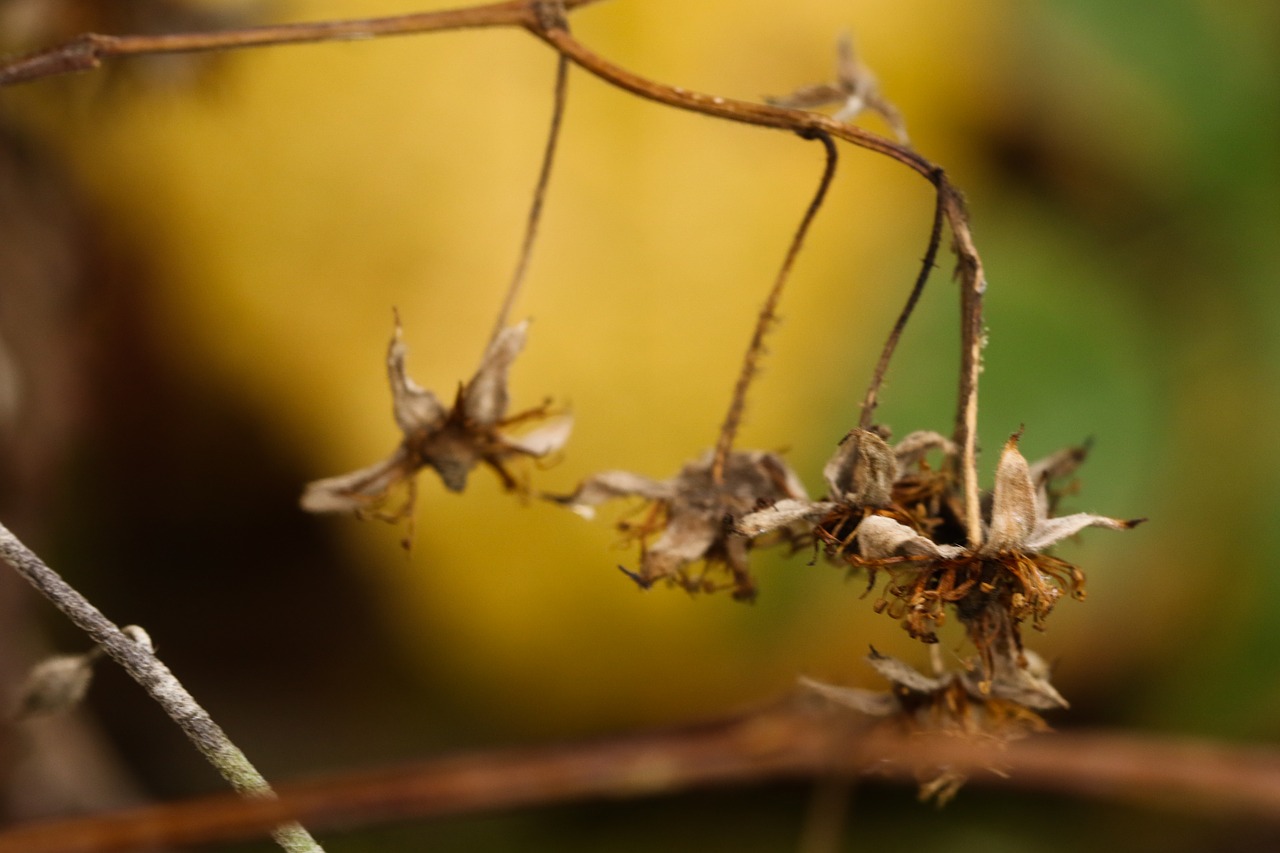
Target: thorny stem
x,y
156,678
1215,779
751,361
539,193
870,402
89,50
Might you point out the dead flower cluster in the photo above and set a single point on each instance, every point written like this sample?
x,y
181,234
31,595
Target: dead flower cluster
x,y
452,440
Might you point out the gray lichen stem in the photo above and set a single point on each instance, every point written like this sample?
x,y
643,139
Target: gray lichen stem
x,y
769,312
157,679
539,194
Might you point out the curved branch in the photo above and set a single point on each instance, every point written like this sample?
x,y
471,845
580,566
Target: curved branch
x,y
90,50
768,312
87,52
779,743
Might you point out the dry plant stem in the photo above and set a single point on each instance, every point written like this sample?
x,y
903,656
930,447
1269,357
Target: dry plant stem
x,y
751,361
539,194
89,50
871,400
1219,780
156,678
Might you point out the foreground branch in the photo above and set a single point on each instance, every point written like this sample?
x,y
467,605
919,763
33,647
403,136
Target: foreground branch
x,y
156,678
777,744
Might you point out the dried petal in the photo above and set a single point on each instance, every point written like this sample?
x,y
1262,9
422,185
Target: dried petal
x,y
608,485
484,400
880,538
414,407
856,88
782,514
544,440
686,539
912,449
811,97
862,471
904,675
872,702
750,479
1052,530
1027,686
359,489
1013,504
1058,464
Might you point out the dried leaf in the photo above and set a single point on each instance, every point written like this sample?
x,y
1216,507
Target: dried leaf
x,y
55,685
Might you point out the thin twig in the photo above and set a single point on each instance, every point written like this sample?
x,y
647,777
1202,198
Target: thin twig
x,y
1213,779
870,401
156,678
539,193
751,361
87,52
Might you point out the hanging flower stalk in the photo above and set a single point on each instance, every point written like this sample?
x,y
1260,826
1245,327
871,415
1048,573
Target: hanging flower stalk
x,y
476,429
686,532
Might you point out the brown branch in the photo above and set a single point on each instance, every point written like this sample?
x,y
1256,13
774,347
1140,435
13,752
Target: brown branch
x,y
87,52
780,743
768,312
870,401
969,264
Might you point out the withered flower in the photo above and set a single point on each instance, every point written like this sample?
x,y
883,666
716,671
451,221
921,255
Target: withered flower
x,y
994,587
855,90
864,475
689,518
451,440
954,703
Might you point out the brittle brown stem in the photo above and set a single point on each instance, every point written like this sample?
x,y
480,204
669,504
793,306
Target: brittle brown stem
x,y
769,312
87,52
871,400
539,194
1217,779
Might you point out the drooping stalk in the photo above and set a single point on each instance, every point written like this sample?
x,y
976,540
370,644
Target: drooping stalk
x,y
539,194
751,361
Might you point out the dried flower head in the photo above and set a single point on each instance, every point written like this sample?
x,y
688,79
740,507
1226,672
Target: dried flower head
x,y
864,475
954,703
451,440
995,586
689,518
855,90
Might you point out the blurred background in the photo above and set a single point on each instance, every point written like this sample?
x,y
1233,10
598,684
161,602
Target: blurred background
x,y
200,256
